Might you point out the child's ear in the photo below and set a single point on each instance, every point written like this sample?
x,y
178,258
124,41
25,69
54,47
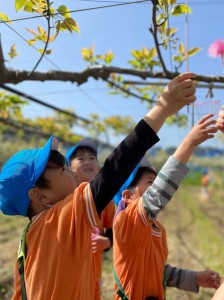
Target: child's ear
x,y
75,176
36,196
126,194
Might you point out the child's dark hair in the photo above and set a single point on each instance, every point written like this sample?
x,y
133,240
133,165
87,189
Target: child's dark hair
x,y
59,160
82,149
141,171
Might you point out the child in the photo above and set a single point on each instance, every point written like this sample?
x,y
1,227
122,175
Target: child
x,y
204,184
36,183
140,251
183,279
82,160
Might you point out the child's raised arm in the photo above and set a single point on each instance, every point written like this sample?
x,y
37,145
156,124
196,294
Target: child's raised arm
x,y
174,170
119,165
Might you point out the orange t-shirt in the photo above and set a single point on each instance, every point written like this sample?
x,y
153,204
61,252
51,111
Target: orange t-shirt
x,y
106,221
204,180
59,261
140,253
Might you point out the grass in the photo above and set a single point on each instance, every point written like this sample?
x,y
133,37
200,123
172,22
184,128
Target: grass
x,y
10,230
195,230
193,237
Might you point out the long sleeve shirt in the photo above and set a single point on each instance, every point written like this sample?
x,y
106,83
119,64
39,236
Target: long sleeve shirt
x,y
119,165
140,251
59,261
181,278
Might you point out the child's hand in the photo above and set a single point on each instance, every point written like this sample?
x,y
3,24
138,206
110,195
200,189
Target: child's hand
x,y
100,243
178,93
220,121
201,132
208,279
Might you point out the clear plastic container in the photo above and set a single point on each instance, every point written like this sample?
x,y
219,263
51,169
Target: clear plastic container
x,y
207,107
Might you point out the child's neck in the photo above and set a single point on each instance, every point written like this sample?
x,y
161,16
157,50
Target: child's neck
x,y
36,216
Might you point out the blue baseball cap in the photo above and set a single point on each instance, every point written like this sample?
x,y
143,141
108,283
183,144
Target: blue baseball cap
x,y
117,198
84,143
143,163
19,174
204,171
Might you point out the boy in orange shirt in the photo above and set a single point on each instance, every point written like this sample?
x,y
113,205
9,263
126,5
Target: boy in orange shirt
x,y
82,160
56,247
140,251
183,279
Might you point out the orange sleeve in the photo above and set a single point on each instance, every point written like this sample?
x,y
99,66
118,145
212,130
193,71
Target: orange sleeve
x,y
64,233
90,208
108,215
17,285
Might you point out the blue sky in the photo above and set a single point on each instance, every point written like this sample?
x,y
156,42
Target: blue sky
x,y
119,29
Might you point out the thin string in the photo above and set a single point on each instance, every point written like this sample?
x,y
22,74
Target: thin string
x,y
187,58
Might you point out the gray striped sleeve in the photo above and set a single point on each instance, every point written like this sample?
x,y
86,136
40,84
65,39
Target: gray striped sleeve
x,y
165,185
181,278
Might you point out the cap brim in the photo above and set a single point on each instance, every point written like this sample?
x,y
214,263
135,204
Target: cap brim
x,y
19,175
52,144
69,154
117,198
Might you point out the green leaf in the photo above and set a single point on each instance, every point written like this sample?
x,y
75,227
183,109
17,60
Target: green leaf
x,y
171,2
178,58
28,6
108,57
64,11
19,4
152,52
136,53
41,30
193,51
4,17
134,63
119,78
13,53
73,24
163,2
160,17
146,96
181,48
28,9
40,38
163,27
86,52
180,9
171,31
31,42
